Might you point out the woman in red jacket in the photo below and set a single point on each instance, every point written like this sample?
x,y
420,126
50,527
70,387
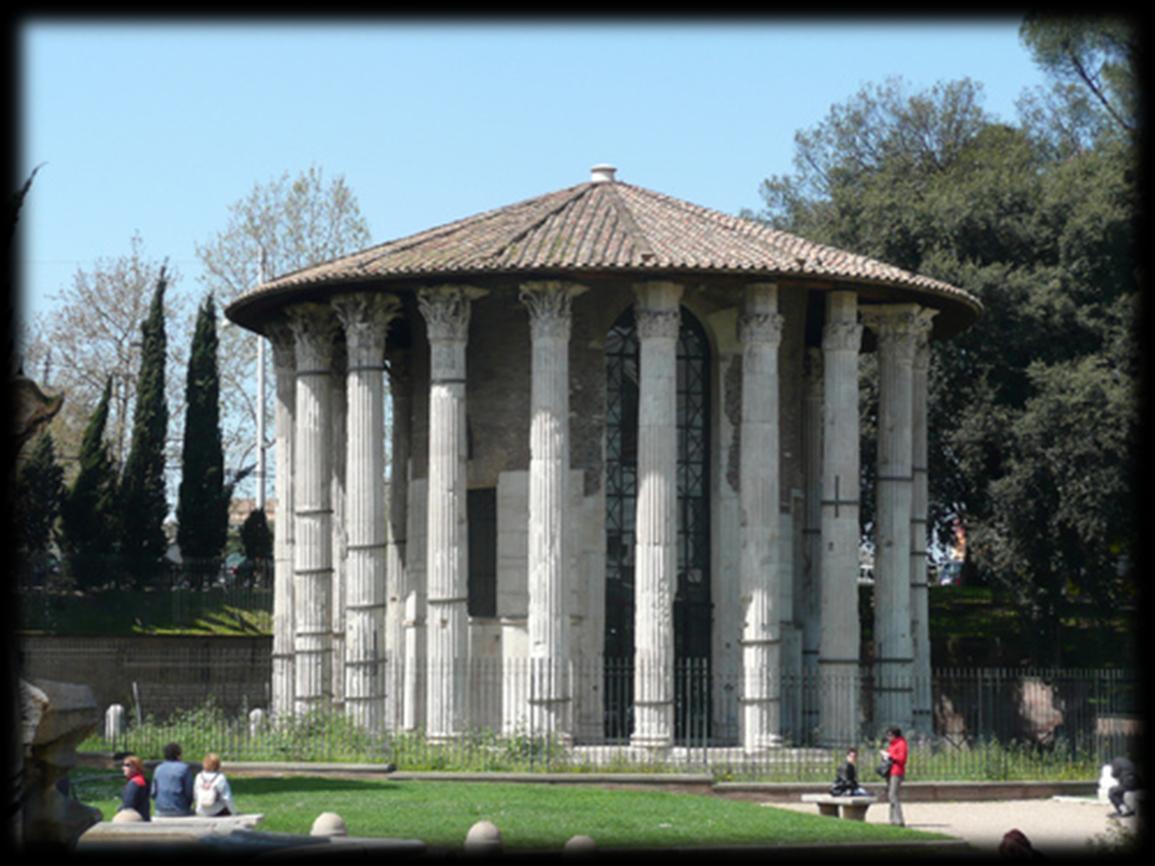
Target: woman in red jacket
x,y
896,750
135,795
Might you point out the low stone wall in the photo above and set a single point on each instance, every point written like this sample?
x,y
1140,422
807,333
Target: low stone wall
x,y
169,673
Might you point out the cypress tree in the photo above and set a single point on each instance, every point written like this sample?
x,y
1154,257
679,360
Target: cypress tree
x,y
38,494
203,499
142,503
87,518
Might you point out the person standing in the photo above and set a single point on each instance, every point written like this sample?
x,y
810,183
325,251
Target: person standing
x,y
896,751
135,793
172,784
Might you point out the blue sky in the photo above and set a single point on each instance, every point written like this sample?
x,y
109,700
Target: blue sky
x,y
158,127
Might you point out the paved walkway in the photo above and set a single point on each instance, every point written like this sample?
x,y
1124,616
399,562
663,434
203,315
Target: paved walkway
x,y
1056,827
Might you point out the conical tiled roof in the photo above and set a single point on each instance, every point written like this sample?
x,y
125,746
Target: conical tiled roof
x,y
608,227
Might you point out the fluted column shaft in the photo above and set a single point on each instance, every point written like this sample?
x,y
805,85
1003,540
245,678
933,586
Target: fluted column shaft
x,y
656,528
314,331
838,646
446,313
284,365
550,696
895,326
339,440
401,615
919,589
365,319
760,332
811,534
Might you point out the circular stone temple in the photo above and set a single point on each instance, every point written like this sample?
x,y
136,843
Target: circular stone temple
x,y
587,466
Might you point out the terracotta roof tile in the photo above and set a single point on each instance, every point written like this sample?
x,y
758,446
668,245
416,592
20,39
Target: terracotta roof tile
x,y
610,226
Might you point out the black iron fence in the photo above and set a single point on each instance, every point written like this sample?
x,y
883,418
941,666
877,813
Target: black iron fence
x,y
987,723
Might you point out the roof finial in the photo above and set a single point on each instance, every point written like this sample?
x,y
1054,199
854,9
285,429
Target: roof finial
x,y
602,173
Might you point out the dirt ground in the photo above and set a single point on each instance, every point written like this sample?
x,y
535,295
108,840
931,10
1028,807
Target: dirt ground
x,y
1056,827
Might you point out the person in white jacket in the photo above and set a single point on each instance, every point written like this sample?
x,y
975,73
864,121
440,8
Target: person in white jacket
x,y
211,792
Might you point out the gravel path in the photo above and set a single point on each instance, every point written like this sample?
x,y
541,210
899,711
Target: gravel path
x,y
1058,826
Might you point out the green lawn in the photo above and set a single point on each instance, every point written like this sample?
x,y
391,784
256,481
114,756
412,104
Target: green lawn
x,y
541,816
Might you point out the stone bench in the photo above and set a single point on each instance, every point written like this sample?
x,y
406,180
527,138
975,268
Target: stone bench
x,y
850,808
170,829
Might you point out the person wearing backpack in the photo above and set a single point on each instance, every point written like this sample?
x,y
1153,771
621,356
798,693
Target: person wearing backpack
x,y
211,791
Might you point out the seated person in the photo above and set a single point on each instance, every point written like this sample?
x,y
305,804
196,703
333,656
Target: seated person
x,y
214,797
1127,779
846,783
135,793
172,784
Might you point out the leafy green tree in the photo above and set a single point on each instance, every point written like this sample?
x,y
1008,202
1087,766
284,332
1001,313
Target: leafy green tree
x,y
1032,409
87,513
257,542
1096,54
282,225
142,503
37,496
203,496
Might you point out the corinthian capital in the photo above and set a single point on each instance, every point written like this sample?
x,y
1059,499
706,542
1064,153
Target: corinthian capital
x,y
315,330
842,336
899,327
445,309
365,317
760,327
281,338
548,302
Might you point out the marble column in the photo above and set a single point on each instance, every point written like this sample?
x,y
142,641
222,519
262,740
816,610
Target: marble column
x,y
811,535
549,582
365,318
338,439
285,369
919,589
656,526
895,327
446,312
314,331
760,333
403,635
838,647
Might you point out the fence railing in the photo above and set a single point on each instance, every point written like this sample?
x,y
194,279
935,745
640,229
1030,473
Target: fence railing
x,y
987,724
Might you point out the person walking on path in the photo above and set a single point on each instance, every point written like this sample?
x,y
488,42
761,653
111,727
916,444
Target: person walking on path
x,y
172,784
896,752
135,793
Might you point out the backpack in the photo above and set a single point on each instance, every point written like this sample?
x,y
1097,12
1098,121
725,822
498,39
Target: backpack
x,y
207,793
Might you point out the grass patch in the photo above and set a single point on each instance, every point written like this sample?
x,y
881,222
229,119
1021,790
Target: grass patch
x,y
530,817
117,613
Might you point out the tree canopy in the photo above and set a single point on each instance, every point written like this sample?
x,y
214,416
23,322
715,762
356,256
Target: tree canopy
x,y
1033,416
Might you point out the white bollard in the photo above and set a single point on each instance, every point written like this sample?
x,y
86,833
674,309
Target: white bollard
x,y
483,838
329,824
580,844
1106,782
114,722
